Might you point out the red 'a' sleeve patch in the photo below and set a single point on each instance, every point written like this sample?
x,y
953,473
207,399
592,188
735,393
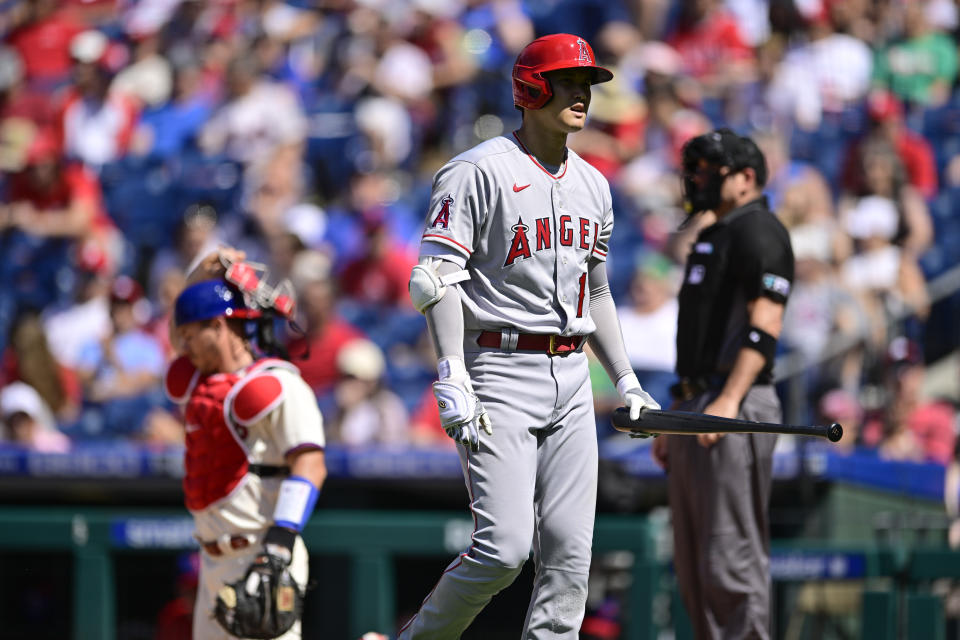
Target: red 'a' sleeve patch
x,y
259,395
180,379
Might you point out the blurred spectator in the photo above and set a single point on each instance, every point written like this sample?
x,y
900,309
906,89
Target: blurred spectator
x,y
121,372
910,427
651,179
881,177
87,319
425,426
367,411
378,277
258,119
172,282
43,40
168,128
712,47
821,313
316,352
21,106
842,406
921,67
97,124
887,124
175,620
649,325
196,237
825,75
886,280
148,77
28,421
53,198
29,359
797,191
615,130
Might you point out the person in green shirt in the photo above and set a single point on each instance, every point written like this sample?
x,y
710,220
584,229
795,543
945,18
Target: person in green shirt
x,y
922,67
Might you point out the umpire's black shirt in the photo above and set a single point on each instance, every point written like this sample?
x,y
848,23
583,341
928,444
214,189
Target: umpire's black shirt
x,y
743,256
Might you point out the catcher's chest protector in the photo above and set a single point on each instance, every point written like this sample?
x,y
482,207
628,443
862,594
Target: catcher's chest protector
x,y
215,461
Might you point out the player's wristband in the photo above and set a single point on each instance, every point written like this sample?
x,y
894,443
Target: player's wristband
x,y
452,367
295,502
627,382
762,342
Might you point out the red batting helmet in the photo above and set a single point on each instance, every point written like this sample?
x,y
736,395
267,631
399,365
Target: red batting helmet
x,y
549,53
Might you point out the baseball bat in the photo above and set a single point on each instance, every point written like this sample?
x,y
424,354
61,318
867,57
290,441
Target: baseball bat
x,y
654,421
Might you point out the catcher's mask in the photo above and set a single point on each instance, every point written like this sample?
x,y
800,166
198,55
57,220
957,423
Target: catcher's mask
x,y
704,159
531,89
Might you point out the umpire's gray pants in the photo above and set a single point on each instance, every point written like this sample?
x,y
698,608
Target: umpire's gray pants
x,y
718,500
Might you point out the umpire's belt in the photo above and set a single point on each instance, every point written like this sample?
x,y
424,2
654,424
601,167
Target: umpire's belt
x,y
688,388
511,340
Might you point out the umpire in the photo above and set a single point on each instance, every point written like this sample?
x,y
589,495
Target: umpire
x,y
737,280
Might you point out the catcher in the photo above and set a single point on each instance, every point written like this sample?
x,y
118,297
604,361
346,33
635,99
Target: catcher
x,y
254,451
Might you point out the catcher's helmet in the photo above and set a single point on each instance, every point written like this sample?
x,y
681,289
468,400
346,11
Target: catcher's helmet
x,y
209,299
531,90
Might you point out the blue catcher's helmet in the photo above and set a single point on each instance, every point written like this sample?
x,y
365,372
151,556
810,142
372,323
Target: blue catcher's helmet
x,y
210,299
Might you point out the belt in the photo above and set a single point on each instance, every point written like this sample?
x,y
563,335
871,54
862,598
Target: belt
x,y
687,388
515,341
235,542
268,470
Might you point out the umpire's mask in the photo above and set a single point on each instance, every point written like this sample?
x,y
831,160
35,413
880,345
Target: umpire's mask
x,y
708,159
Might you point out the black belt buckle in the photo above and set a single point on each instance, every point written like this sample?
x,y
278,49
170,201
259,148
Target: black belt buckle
x,y
687,389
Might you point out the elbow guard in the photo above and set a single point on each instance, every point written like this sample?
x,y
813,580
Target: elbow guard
x,y
427,286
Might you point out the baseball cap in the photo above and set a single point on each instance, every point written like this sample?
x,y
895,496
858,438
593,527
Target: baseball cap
x,y
361,359
44,147
884,106
873,216
19,397
125,289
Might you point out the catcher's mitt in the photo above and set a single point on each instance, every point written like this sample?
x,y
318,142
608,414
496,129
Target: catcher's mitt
x,y
265,603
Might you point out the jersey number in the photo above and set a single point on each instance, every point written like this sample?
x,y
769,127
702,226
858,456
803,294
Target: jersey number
x,y
583,291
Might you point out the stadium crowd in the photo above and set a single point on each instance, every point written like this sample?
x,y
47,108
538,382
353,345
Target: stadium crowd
x,y
136,136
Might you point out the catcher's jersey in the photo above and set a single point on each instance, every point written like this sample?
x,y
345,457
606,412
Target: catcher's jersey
x,y
269,412
524,234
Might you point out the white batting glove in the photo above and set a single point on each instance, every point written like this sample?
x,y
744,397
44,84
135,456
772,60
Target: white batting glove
x,y
461,414
634,397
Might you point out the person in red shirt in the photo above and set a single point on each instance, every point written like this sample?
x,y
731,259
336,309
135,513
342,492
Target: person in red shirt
x,y
712,48
911,427
43,41
887,121
379,276
53,198
315,353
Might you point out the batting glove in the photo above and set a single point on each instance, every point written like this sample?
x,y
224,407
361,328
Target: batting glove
x,y
461,414
635,399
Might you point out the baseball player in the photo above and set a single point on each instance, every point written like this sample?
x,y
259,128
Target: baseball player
x,y
254,457
738,277
512,280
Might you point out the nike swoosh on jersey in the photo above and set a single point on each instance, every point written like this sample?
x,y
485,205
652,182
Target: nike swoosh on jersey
x,y
518,188
190,428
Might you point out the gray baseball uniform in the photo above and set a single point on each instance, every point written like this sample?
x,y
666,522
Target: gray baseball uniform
x,y
527,236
